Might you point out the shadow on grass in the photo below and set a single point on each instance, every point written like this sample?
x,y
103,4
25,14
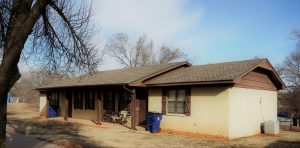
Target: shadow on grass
x,y
60,133
284,143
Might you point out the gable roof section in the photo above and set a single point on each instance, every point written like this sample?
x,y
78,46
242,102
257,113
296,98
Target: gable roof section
x,y
115,77
220,73
266,67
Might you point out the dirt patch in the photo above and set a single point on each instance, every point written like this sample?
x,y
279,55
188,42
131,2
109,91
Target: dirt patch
x,y
196,135
21,108
23,120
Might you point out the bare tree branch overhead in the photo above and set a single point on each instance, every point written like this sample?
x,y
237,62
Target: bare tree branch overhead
x,y
141,53
289,71
53,34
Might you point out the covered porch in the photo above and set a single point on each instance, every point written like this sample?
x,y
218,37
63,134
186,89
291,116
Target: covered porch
x,y
98,104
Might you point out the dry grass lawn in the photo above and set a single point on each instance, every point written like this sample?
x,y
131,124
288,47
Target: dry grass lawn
x,y
22,119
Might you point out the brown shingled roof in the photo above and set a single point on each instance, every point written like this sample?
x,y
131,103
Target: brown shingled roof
x,y
180,73
207,73
113,77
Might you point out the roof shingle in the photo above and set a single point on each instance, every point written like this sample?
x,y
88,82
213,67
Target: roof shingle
x,y
111,77
207,73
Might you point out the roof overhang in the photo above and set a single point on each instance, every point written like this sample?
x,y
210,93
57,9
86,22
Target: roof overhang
x,y
79,86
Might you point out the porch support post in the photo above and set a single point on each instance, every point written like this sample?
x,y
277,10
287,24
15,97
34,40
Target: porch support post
x,y
98,107
47,104
101,103
133,109
66,106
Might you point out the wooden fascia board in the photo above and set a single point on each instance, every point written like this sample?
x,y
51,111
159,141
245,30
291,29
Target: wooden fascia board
x,y
139,82
276,75
79,86
193,83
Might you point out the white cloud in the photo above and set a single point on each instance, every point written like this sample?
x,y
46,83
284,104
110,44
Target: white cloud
x,y
163,21
160,20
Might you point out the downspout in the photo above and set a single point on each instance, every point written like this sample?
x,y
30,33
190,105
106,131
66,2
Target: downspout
x,y
133,106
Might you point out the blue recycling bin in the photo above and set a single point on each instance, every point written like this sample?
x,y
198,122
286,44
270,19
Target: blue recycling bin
x,y
52,111
153,122
149,121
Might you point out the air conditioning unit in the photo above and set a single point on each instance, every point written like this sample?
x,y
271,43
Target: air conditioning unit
x,y
271,127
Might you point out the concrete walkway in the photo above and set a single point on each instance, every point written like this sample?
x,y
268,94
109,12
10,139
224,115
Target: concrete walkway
x,y
17,140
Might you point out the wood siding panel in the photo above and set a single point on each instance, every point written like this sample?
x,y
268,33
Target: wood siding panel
x,y
257,80
142,111
164,102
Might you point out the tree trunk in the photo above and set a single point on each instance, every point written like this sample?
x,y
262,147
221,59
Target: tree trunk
x,y
5,86
3,120
23,16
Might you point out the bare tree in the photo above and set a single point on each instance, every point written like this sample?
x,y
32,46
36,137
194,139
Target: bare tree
x,y
166,54
25,90
57,34
43,77
289,71
141,53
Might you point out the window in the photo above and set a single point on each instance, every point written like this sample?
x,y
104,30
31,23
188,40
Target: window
x,y
125,100
90,100
53,99
176,101
109,100
78,100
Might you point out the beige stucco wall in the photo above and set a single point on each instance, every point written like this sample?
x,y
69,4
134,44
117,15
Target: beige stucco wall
x,y
154,100
83,113
209,111
248,108
43,103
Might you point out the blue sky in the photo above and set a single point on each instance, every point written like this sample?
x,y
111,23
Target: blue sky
x,y
208,31
245,29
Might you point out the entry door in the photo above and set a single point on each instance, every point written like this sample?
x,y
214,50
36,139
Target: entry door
x,y
53,105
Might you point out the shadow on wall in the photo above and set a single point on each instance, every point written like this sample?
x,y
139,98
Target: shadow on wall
x,y
210,91
284,143
60,133
43,111
198,91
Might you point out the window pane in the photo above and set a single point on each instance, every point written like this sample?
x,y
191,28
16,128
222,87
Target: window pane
x,y
110,96
180,107
172,95
171,107
181,95
80,101
54,99
91,102
91,95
